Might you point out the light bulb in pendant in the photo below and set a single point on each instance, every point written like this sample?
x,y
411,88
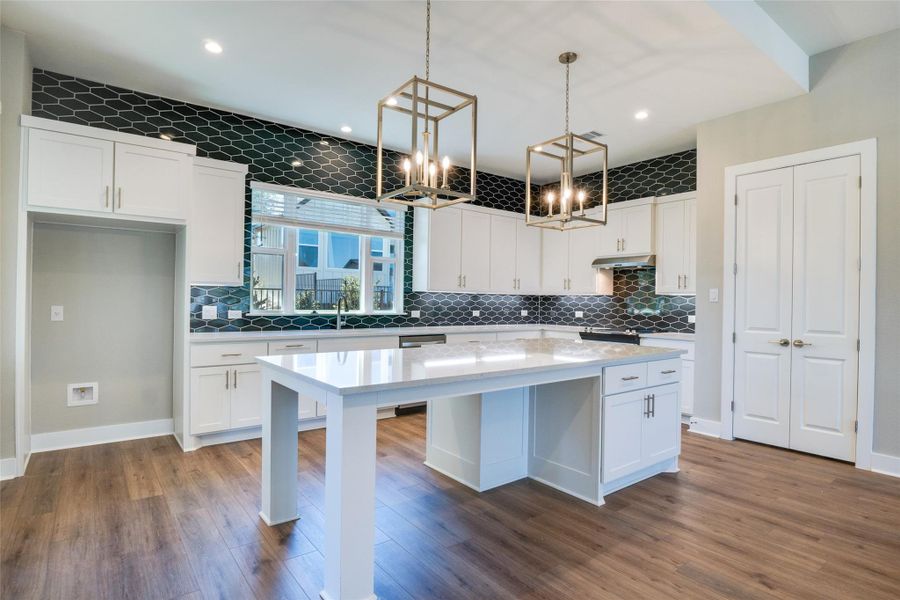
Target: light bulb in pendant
x,y
581,197
445,164
551,198
432,175
407,166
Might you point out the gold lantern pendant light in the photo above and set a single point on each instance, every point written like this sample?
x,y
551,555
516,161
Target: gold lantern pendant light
x,y
565,206
425,180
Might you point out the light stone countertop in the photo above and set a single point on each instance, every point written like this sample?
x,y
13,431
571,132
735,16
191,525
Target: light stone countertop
x,y
362,371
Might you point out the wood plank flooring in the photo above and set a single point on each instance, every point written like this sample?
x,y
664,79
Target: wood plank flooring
x,y
141,519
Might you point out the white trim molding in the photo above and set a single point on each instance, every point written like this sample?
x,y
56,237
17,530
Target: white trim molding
x,y
8,468
705,427
885,464
105,434
867,151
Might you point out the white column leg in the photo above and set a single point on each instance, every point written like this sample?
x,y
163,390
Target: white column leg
x,y
350,498
279,452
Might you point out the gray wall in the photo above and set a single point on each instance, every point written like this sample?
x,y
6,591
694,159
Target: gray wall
x,y
15,92
117,288
855,95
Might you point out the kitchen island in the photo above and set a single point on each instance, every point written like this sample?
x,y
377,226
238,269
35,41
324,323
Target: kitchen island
x,y
585,417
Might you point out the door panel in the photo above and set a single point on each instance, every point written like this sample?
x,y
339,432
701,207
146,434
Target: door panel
x,y
69,171
763,246
660,434
670,247
611,233
826,307
210,399
246,403
583,247
637,229
217,227
554,261
528,258
151,182
503,254
445,232
623,417
476,267
689,285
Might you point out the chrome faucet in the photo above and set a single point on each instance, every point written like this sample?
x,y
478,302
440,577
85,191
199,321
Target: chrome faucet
x,y
343,300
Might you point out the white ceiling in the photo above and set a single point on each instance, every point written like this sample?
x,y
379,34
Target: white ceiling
x,y
323,64
822,25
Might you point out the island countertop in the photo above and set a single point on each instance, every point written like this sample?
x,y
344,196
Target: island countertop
x,y
361,371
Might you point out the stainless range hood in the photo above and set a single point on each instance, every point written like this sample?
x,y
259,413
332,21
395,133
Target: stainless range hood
x,y
643,261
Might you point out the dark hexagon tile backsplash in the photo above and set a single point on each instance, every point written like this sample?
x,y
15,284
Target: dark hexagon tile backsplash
x,y
342,166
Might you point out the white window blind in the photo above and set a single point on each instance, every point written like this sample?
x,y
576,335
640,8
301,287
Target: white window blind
x,y
318,210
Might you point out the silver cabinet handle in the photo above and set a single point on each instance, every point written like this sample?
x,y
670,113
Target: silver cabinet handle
x,y
106,198
120,197
647,406
226,380
231,354
464,281
295,346
652,405
459,281
235,379
801,343
239,270
685,281
781,342
630,378
623,244
679,282
668,371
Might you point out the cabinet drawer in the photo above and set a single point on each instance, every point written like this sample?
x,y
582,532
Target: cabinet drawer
x,y
660,372
624,378
227,354
293,347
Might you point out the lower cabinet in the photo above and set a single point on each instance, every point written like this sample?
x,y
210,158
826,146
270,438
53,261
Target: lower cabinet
x,y
307,408
687,368
640,428
225,398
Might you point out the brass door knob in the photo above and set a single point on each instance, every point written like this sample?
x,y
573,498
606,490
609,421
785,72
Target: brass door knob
x,y
801,343
781,342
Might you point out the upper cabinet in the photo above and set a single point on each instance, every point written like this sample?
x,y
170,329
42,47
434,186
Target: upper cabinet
x,y
629,229
83,170
676,254
566,263
216,240
474,250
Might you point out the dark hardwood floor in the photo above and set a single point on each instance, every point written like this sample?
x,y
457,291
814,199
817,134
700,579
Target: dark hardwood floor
x,y
142,519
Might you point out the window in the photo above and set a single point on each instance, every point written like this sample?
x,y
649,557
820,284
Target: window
x,y
310,251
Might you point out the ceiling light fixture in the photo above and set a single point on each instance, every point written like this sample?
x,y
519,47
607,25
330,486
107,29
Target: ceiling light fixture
x,y
565,148
213,47
426,179
346,129
641,115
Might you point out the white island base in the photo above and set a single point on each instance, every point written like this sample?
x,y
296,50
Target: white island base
x,y
509,410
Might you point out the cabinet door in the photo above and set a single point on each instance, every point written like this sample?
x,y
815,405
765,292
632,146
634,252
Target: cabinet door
x,y
528,258
69,171
661,432
503,254
623,417
689,285
637,230
610,234
216,234
554,261
246,403
306,407
583,249
671,237
444,246
475,258
210,399
151,182
687,387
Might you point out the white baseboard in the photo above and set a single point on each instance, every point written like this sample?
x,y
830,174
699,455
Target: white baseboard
x,y
8,468
886,464
705,427
90,436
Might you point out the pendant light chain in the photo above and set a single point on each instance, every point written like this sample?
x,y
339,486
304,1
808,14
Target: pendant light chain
x,y
567,98
428,40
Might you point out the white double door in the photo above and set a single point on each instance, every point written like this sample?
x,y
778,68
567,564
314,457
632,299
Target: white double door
x,y
797,307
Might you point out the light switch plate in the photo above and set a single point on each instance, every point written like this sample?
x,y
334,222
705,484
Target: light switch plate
x,y
56,313
476,313
713,294
208,312
235,314
692,318
579,314
415,314
524,313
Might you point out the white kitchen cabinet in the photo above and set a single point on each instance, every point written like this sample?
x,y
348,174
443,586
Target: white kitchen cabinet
x,y
246,402
503,254
437,242
687,368
210,399
584,244
216,254
69,171
306,407
151,182
659,438
554,262
566,258
676,247
528,258
628,231
475,265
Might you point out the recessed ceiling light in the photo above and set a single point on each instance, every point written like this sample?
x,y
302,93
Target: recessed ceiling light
x,y
391,101
213,47
641,115
296,163
346,128
165,136
538,148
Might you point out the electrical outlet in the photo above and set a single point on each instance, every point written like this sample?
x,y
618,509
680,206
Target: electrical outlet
x,y
235,314
713,294
56,313
579,314
692,318
476,313
524,313
415,314
209,312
